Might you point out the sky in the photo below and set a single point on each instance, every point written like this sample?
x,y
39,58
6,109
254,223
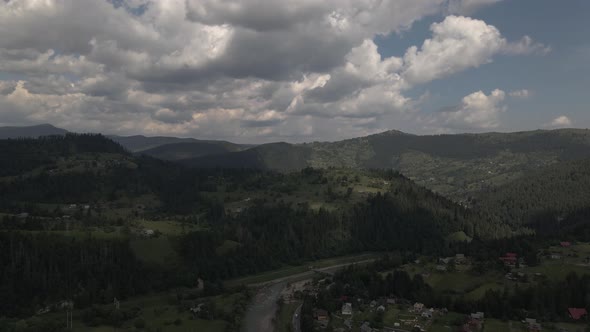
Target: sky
x,y
255,71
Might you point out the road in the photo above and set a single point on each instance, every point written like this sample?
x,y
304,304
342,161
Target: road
x,y
309,274
260,314
297,319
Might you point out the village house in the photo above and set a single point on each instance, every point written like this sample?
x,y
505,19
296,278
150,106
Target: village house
x,y
321,315
565,244
373,304
427,313
380,308
418,307
532,325
348,323
535,327
555,256
510,259
459,259
196,310
577,313
441,268
445,260
366,327
478,315
347,309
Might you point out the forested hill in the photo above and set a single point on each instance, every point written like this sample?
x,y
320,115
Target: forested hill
x,y
88,198
22,155
155,145
456,166
545,196
31,131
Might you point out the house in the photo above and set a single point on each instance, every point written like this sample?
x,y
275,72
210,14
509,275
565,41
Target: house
x,y
445,260
65,305
555,256
565,244
148,232
348,323
577,313
43,311
473,325
321,315
23,215
347,309
459,258
427,314
478,315
535,327
529,321
197,309
373,304
418,307
380,308
509,259
441,268
391,301
366,327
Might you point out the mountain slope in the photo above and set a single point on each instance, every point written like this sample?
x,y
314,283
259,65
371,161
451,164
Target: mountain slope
x,y
457,166
30,131
554,192
273,156
187,150
140,143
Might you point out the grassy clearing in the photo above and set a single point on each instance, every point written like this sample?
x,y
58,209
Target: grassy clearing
x,y
169,227
82,234
226,247
155,250
160,315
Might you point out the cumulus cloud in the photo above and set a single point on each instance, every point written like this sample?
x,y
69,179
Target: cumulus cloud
x,y
458,43
236,69
560,122
476,112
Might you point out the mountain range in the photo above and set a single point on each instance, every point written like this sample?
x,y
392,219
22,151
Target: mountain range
x,y
457,166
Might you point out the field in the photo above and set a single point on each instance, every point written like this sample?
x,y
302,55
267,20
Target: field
x,y
159,312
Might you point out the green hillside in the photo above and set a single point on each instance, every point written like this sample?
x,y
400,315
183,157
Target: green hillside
x,y
553,193
457,166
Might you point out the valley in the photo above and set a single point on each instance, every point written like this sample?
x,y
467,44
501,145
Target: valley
x,y
224,249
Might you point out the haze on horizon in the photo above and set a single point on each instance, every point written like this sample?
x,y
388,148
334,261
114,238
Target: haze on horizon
x,y
264,70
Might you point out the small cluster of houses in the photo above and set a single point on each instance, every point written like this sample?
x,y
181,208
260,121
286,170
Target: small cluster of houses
x,y
474,322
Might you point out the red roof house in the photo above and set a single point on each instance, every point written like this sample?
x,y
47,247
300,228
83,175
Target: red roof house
x,y
577,313
565,244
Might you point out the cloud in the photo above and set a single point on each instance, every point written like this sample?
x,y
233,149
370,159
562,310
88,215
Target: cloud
x,y
458,43
476,112
560,122
522,94
239,69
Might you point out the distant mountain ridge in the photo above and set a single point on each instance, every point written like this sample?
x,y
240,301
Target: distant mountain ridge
x,y
458,166
454,165
30,131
